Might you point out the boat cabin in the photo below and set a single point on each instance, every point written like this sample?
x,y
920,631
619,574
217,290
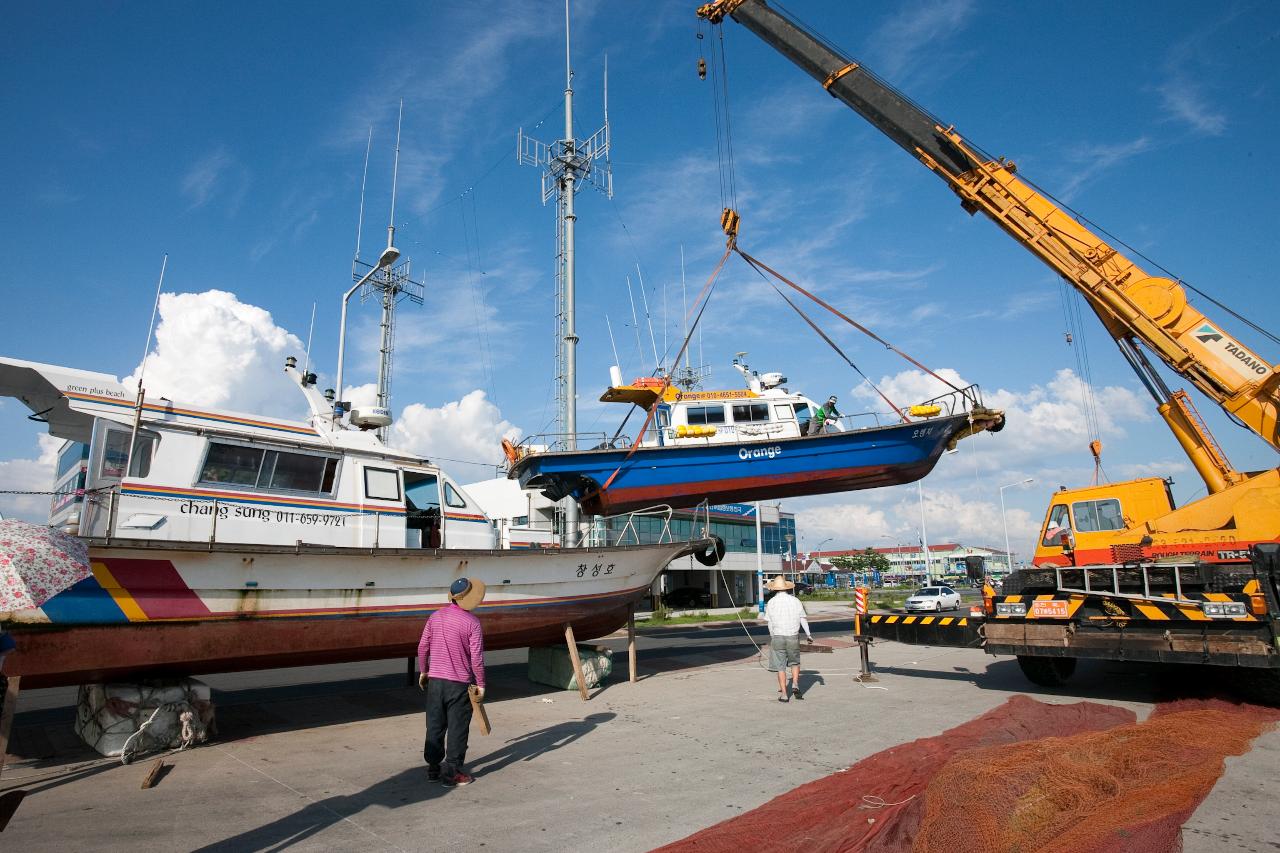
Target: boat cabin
x,y
195,475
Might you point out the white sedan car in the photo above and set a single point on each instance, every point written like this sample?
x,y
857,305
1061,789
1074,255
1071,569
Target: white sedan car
x,y
934,598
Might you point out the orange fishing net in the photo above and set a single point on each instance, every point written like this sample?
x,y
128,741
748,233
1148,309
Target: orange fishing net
x,y
831,814
1023,777
1129,788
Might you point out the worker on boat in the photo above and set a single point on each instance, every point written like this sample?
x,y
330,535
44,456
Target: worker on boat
x,y
827,411
785,615
450,660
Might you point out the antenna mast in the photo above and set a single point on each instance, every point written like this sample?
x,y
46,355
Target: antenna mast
x,y
390,282
567,164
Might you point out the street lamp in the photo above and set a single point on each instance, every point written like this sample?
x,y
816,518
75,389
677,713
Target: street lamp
x,y
819,550
386,259
1008,555
790,537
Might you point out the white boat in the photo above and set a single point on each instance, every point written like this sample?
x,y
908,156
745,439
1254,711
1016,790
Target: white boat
x,y
235,541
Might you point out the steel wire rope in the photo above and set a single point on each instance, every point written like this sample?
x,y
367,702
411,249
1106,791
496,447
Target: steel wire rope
x,y
780,277
892,406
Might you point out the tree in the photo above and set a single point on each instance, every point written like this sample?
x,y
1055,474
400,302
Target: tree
x,y
864,562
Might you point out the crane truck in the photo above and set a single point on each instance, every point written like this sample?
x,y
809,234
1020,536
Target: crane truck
x,y
1119,572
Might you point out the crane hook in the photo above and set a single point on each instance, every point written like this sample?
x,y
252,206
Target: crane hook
x,y
702,69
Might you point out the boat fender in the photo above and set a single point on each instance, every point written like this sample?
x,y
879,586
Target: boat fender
x,y
712,554
924,411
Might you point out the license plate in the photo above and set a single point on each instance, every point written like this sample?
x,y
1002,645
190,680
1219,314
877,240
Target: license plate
x,y
1049,610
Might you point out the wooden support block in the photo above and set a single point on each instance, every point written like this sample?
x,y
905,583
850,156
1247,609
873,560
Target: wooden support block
x,y
153,775
577,662
631,643
814,647
6,718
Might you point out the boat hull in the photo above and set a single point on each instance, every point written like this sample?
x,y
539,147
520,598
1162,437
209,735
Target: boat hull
x,y
685,475
152,611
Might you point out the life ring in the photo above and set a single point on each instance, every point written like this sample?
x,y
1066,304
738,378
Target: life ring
x,y
510,451
712,554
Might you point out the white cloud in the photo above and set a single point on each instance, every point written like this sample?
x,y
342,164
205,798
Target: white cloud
x,y
464,436
1090,161
202,180
916,34
1186,102
211,349
29,475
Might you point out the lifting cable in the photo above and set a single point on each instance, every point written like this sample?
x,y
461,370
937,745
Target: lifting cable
x,y
704,297
760,265
892,406
1075,337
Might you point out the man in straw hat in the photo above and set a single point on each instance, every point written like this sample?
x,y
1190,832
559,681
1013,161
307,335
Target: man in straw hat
x,y
453,643
786,617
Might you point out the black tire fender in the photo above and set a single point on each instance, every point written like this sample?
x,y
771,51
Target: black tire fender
x,y
712,554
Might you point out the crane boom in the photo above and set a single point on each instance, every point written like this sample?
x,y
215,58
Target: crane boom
x,y
1132,304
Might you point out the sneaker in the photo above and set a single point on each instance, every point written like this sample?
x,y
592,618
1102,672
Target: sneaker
x,y
796,694
458,778
433,773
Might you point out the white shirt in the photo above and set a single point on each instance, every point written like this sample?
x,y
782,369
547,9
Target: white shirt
x,y
785,615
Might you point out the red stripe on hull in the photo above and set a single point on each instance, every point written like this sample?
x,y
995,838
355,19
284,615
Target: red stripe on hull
x,y
157,588
52,657
767,487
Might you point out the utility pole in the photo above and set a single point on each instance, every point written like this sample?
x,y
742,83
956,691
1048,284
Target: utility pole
x,y
568,163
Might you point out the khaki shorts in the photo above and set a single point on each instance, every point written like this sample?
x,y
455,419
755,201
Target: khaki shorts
x,y
785,651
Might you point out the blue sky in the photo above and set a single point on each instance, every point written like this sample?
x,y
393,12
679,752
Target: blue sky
x,y
232,136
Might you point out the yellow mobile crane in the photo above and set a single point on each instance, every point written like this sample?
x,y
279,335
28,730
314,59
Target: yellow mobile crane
x,y
1119,571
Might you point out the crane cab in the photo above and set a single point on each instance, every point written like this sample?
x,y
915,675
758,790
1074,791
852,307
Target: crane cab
x,y
1084,526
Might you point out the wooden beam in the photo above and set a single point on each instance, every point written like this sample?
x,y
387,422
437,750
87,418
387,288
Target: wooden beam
x,y
631,642
577,662
153,775
6,718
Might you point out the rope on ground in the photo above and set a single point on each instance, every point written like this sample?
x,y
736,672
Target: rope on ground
x,y
871,801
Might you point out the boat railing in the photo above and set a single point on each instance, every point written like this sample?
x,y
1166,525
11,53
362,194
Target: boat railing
x,y
563,441
633,528
954,402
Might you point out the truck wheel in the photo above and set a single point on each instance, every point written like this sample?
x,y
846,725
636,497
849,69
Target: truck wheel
x,y
1046,671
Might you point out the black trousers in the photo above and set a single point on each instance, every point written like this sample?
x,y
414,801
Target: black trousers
x,y
448,715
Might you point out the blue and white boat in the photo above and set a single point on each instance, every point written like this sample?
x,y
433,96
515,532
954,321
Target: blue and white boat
x,y
752,443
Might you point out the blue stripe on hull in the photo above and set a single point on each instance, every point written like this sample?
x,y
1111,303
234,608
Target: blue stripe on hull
x,y
834,462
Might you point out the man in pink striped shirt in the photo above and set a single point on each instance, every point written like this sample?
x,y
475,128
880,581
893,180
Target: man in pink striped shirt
x,y
453,645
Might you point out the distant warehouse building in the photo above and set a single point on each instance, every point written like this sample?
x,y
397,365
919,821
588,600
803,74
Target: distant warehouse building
x,y
908,561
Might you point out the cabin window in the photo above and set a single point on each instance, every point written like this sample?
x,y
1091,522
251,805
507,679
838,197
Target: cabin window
x,y
381,484
704,415
269,470
744,413
783,412
143,449
72,456
1058,524
1097,516
451,496
296,472
803,414
520,520
232,464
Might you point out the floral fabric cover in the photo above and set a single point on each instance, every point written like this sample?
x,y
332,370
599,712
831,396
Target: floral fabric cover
x,y
36,563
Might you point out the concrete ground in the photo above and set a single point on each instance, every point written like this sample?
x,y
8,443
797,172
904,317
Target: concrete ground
x,y
699,739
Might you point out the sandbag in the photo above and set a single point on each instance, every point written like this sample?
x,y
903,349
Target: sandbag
x,y
107,715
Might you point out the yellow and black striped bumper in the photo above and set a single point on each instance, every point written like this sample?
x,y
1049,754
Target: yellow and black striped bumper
x,y
956,631
1110,609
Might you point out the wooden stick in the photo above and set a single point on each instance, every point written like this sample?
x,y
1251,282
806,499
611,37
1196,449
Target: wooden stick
x,y
478,711
631,642
577,662
6,719
153,774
